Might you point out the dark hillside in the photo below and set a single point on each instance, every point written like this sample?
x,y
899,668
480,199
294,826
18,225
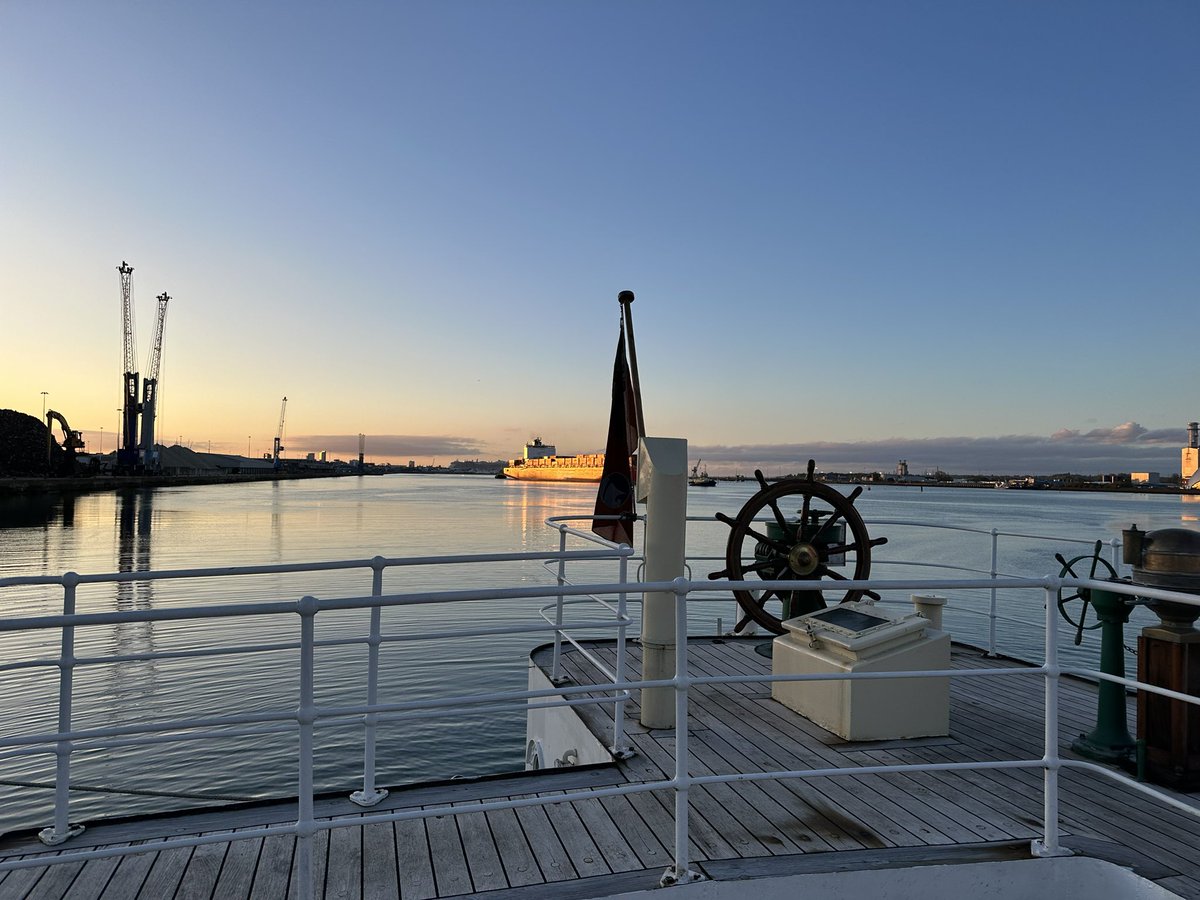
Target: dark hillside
x,y
23,446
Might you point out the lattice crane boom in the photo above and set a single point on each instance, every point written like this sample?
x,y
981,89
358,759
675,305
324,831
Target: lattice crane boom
x,y
278,448
155,360
127,453
126,271
150,387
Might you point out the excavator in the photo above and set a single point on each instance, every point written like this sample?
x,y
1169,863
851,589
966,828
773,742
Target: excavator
x,y
72,443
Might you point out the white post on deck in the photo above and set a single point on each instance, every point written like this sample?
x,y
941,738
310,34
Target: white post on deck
x,y
1048,845
556,676
306,717
370,794
681,872
992,611
662,486
62,829
619,749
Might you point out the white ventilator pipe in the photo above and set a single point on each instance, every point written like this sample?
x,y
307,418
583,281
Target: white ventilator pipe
x,y
662,486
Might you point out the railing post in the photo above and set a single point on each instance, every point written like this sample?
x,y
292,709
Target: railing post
x,y
370,794
992,610
306,717
1048,845
557,677
61,830
680,872
619,749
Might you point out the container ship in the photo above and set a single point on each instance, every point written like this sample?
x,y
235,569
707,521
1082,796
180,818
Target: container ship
x,y
541,462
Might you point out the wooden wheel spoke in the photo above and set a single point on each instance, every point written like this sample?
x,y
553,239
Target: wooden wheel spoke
x,y
837,549
825,526
780,519
838,513
764,566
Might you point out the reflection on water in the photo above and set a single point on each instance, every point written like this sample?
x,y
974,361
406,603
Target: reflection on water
x,y
34,510
132,681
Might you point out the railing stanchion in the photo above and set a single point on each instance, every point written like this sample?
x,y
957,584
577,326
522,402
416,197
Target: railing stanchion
x,y
618,748
1048,845
370,794
306,717
61,830
992,609
680,872
555,676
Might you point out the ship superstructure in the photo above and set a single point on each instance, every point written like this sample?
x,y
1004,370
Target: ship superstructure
x,y
541,462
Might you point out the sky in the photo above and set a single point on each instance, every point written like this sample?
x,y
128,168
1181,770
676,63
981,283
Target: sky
x,y
963,234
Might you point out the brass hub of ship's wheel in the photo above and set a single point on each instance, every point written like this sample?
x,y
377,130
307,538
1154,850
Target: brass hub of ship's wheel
x,y
803,559
766,545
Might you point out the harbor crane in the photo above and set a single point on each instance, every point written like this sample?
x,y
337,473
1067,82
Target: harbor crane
x,y
127,450
150,389
278,448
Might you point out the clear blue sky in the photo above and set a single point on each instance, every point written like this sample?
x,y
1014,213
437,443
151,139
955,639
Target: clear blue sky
x,y
962,233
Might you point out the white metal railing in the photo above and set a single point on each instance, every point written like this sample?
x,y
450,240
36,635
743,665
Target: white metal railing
x,y
309,714
66,741
993,535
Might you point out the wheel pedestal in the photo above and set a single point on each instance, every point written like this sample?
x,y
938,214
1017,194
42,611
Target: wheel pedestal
x,y
1109,741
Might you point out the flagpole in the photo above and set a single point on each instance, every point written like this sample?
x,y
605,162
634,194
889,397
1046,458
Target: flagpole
x,y
625,298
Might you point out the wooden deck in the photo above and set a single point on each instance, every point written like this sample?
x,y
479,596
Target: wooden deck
x,y
600,846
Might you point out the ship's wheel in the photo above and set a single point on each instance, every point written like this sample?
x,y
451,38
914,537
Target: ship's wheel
x,y
1093,560
827,532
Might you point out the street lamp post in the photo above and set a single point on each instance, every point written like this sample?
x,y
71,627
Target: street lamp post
x,y
247,446
102,439
44,393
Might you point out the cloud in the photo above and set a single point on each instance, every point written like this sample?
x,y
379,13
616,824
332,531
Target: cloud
x,y
1128,447
389,445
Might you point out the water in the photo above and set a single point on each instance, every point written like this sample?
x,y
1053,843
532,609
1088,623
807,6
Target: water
x,y
304,521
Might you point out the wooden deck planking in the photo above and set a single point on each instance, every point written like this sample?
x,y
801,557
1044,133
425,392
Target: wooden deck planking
x,y
550,851
203,869
776,736
483,860
55,882
273,871
450,871
237,874
414,860
520,865
380,872
344,864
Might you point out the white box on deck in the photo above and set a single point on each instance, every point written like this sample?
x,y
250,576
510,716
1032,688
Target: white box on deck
x,y
858,637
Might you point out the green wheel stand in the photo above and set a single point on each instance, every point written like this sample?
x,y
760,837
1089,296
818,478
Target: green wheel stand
x,y
1109,741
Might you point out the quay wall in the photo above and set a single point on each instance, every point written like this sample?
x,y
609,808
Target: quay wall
x,y
89,484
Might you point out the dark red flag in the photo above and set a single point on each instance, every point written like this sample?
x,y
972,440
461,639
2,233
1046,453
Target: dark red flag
x,y
615,496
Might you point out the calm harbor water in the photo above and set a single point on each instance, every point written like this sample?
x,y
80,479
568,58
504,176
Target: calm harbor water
x,y
396,516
